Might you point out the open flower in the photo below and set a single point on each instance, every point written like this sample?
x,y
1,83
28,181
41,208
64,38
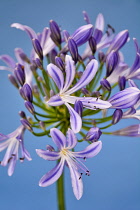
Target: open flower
x,y
69,158
64,95
13,142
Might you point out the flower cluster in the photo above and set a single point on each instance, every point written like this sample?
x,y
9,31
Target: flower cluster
x,y
65,96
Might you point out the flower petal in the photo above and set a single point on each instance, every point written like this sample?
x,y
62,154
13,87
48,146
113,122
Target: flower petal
x,y
87,76
55,101
95,103
90,151
52,175
99,24
12,165
71,139
56,75
133,130
48,155
8,60
31,33
70,72
75,119
77,183
58,137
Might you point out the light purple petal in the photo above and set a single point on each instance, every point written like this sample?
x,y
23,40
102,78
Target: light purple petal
x,y
87,76
94,103
71,139
99,24
53,175
90,151
75,119
45,35
132,83
11,166
58,138
8,153
3,137
133,130
56,75
17,52
70,72
8,60
55,101
48,155
31,33
77,183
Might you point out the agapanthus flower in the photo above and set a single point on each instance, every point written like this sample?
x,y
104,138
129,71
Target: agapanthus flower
x,y
69,158
13,142
64,96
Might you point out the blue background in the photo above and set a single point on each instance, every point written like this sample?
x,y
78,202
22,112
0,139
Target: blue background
x,y
114,183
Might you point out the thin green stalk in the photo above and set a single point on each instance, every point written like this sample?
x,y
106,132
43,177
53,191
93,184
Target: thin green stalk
x,y
60,193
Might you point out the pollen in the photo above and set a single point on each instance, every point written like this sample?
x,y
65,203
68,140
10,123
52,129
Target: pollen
x,y
64,152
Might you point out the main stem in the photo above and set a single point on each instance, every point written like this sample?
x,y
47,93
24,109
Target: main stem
x,y
60,193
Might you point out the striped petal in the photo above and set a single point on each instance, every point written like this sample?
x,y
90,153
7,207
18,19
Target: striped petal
x,y
90,151
12,165
99,24
87,76
58,138
56,75
95,103
77,183
8,60
70,72
71,139
125,98
75,119
53,175
55,101
31,33
48,155
133,130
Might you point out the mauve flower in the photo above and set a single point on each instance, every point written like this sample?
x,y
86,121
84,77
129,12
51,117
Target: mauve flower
x,y
69,158
13,142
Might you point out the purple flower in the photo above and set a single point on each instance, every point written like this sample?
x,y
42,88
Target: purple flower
x,y
69,158
133,131
13,142
133,112
64,95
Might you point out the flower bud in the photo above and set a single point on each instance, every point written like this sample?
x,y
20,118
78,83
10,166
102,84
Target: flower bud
x,y
52,56
55,32
66,35
105,84
92,44
101,57
93,134
82,34
50,148
73,49
78,107
26,124
28,92
21,91
19,53
20,74
37,48
59,63
122,82
30,107
38,63
13,80
42,125
117,115
22,114
111,62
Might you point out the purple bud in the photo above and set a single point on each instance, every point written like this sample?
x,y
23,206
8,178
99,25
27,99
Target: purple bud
x,y
97,35
30,107
117,115
50,148
37,48
78,106
85,91
73,49
66,35
42,125
22,114
38,63
59,63
52,56
26,124
20,74
111,62
101,57
93,134
92,44
86,17
96,94
28,92
33,67
122,82
82,34
13,80
35,91
105,84
55,32
19,52
119,40
21,91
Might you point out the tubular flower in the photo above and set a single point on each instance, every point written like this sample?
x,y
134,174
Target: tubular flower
x,y
64,96
13,142
69,158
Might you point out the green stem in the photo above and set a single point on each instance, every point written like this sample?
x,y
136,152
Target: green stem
x,y
60,193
